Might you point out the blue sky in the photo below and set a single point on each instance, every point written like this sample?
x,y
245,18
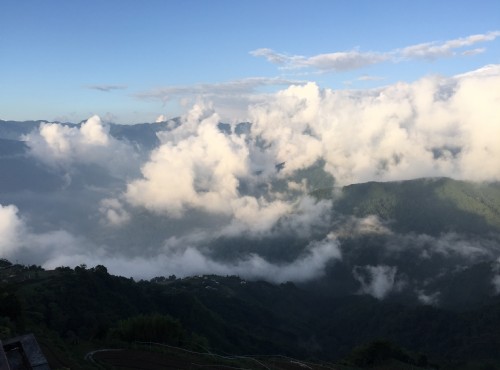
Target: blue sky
x,y
130,61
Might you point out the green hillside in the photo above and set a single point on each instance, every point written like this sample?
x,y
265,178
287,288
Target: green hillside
x,y
427,205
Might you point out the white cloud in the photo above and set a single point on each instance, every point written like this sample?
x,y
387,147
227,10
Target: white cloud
x,y
255,214
61,145
432,127
377,281
229,98
450,246
353,227
271,56
60,248
107,88
434,50
309,265
355,59
428,299
496,283
308,213
490,70
336,62
242,87
20,242
114,212
94,133
284,123
342,61
161,118
191,261
369,78
473,51
11,227
197,166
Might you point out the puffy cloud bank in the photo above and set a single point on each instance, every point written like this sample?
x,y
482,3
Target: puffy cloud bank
x,y
200,167
63,146
435,126
196,166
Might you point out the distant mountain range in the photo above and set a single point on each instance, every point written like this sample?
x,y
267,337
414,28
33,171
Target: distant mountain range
x,y
410,240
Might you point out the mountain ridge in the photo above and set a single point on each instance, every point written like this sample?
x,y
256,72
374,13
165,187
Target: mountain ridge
x,y
455,198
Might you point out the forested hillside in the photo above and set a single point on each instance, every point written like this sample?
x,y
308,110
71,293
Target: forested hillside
x,y
433,206
74,309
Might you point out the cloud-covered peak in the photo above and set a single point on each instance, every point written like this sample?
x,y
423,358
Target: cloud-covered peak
x,y
197,166
94,133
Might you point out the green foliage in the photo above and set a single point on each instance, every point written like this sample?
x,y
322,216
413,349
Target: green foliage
x,y
151,328
482,199
82,304
380,352
9,305
430,206
241,317
7,327
5,263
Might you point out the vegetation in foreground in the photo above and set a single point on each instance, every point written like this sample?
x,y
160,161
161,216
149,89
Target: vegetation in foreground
x,y
76,311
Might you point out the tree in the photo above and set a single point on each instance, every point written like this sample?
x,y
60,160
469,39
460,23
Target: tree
x,y
100,270
377,353
151,328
